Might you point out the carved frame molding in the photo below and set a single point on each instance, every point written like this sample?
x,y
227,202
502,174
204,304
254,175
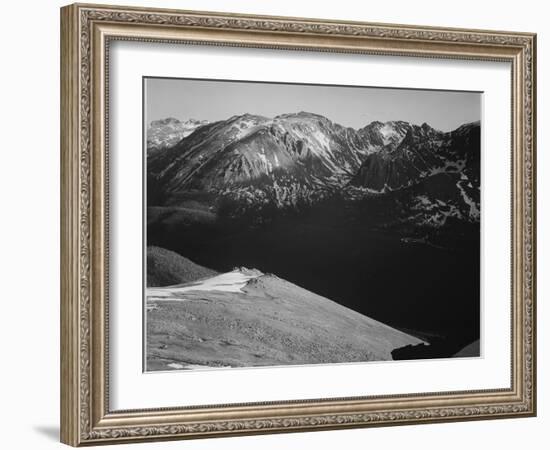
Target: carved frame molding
x,y
86,31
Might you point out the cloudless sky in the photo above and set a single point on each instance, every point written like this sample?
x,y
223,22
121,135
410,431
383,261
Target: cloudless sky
x,y
349,106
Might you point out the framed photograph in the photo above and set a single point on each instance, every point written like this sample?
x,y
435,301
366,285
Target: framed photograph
x,y
274,224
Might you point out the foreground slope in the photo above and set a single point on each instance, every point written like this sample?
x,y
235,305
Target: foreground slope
x,y
165,267
245,318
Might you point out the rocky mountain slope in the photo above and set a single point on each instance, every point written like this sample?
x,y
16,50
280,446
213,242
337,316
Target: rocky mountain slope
x,y
286,160
421,153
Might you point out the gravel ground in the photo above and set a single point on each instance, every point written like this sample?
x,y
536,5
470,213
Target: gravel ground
x,y
269,322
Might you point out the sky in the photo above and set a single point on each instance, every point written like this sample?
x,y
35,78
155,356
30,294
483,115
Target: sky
x,y
349,106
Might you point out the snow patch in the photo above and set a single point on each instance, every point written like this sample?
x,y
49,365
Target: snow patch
x,y
266,163
176,366
450,166
389,134
179,366
233,281
434,213
474,208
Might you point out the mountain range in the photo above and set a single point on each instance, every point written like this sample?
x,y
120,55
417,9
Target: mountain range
x,y
165,133
250,163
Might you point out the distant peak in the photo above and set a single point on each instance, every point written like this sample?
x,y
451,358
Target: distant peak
x,y
167,121
390,123
302,115
475,123
174,121
401,123
375,123
246,116
195,121
424,128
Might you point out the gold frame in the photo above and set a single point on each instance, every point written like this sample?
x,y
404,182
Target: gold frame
x,y
86,31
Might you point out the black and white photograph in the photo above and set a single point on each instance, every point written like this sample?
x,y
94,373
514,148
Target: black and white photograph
x,y
297,224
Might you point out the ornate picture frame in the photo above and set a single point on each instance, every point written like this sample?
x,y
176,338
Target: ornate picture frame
x,y
87,32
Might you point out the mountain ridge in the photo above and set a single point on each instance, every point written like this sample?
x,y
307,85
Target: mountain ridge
x,y
295,160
